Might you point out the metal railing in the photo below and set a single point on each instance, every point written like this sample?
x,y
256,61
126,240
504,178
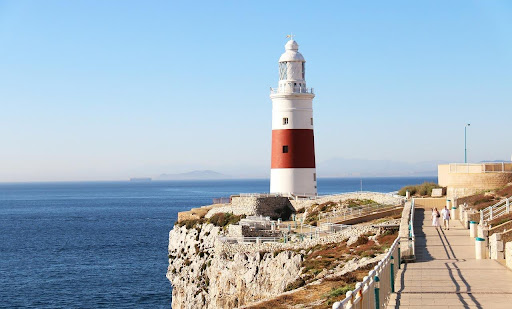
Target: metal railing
x,y
495,211
291,89
411,241
354,212
222,200
246,239
375,289
495,167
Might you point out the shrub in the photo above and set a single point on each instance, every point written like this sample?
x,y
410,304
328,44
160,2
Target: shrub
x,y
362,240
424,189
224,219
190,223
295,285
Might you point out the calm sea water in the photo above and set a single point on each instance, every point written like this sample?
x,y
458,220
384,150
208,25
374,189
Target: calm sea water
x,y
104,244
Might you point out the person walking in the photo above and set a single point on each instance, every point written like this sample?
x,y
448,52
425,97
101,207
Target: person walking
x,y
435,218
445,214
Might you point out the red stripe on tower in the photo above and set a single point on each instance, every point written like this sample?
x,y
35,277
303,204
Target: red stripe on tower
x,y
293,148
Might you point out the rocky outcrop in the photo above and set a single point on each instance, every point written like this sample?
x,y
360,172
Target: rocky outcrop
x,y
208,273
204,275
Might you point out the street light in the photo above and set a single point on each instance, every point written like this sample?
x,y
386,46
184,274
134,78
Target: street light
x,y
465,148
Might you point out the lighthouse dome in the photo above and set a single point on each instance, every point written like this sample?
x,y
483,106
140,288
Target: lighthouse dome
x,y
291,52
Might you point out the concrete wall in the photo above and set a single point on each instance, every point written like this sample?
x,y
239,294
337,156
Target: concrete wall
x,y
464,180
429,203
508,254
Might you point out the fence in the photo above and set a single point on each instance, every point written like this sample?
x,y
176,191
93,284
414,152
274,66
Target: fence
x,y
408,243
497,210
222,200
499,167
353,212
375,289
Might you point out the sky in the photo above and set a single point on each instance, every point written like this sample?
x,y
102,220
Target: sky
x,y
107,90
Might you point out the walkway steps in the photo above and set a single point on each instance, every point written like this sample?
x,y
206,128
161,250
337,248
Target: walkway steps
x,y
446,273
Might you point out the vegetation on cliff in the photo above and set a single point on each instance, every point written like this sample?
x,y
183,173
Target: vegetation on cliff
x,y
221,219
313,214
321,258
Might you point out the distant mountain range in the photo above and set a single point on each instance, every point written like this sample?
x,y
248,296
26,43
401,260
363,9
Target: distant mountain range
x,y
340,167
194,175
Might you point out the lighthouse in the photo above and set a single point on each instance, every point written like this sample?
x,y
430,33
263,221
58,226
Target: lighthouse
x,y
293,169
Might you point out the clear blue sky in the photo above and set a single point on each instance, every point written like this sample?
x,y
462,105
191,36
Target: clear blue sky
x,y
115,89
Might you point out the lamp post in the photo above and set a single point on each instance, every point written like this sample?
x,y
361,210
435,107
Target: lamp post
x,y
465,147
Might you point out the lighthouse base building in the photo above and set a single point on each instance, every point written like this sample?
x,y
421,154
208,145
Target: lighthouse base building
x,y
293,170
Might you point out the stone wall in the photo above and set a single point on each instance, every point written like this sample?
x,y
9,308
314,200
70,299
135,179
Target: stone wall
x,y
463,184
381,198
254,206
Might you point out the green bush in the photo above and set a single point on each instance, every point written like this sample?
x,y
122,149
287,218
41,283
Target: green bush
x,y
224,219
424,189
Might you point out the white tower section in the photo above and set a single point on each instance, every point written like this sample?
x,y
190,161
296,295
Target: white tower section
x,y
293,168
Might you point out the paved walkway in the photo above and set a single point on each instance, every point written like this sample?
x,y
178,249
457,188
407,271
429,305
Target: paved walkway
x,y
446,274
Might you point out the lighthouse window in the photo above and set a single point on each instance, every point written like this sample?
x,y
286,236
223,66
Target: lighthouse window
x,y
314,176
285,149
285,121
283,71
303,70
311,121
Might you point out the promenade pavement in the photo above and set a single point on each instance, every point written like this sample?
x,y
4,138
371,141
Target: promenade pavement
x,y
446,273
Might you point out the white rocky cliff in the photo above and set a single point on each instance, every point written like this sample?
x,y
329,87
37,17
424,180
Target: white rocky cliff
x,y
205,275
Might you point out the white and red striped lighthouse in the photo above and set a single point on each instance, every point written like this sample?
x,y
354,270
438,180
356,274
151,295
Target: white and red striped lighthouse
x,y
293,148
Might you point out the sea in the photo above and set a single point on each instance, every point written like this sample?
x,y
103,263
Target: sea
x,y
104,244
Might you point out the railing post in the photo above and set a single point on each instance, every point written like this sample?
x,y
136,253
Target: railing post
x,y
351,299
377,292
508,206
392,274
482,216
490,213
399,263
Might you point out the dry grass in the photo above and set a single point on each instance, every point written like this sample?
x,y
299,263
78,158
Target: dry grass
x,y
505,192
334,288
503,219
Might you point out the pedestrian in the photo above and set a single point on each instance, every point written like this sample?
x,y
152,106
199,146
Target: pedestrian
x,y
435,218
445,213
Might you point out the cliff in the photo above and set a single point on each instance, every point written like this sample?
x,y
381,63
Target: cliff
x,y
206,275
210,267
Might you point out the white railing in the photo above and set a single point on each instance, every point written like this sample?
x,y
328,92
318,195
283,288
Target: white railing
x,y
354,212
375,289
495,211
259,194
291,89
246,239
412,239
494,167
